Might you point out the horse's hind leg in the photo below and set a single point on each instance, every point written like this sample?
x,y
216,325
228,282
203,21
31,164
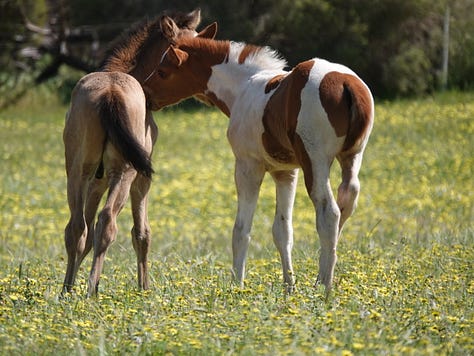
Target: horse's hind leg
x,y
106,228
327,216
141,229
76,231
96,190
348,190
282,225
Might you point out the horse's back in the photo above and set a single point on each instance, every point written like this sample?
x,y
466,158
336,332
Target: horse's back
x,y
94,86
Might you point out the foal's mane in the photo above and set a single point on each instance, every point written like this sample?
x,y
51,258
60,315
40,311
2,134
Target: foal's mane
x,y
255,58
123,50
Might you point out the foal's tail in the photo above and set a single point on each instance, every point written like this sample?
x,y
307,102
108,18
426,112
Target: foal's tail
x,y
115,121
361,107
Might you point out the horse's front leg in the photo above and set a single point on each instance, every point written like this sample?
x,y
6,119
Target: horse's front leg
x,y
248,179
141,234
282,225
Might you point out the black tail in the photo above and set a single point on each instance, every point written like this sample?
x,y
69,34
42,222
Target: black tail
x,y
113,118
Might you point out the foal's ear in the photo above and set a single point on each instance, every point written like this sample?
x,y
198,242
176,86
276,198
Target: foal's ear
x,y
177,56
209,32
168,27
193,19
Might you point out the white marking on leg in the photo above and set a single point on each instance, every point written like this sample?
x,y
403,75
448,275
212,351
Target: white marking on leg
x,y
282,225
248,179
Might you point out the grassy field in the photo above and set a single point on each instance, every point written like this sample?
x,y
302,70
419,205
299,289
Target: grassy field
x,y
404,280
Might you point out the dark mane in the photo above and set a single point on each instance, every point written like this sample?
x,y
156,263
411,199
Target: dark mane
x,y
122,51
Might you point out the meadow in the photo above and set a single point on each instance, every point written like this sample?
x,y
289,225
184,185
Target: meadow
x,y
404,281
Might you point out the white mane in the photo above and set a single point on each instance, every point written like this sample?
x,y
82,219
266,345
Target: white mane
x,y
263,58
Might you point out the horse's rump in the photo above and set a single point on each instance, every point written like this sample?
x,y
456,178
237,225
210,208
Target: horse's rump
x,y
117,123
360,107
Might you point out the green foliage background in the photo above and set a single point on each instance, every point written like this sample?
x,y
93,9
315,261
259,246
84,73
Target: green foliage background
x,y
404,279
394,45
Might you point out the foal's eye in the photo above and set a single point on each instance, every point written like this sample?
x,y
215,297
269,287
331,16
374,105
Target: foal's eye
x,y
161,74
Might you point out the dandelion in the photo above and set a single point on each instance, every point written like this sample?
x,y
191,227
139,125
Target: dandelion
x,y
172,331
14,297
244,303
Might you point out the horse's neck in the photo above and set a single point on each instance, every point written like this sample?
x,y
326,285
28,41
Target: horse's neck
x,y
230,82
225,82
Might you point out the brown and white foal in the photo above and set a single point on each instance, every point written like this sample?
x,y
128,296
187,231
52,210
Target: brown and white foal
x,y
279,121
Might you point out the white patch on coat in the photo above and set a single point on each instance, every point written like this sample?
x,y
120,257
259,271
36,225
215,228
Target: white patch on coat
x,y
312,118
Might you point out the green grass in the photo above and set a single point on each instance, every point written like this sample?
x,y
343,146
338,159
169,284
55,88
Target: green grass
x,y
404,280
